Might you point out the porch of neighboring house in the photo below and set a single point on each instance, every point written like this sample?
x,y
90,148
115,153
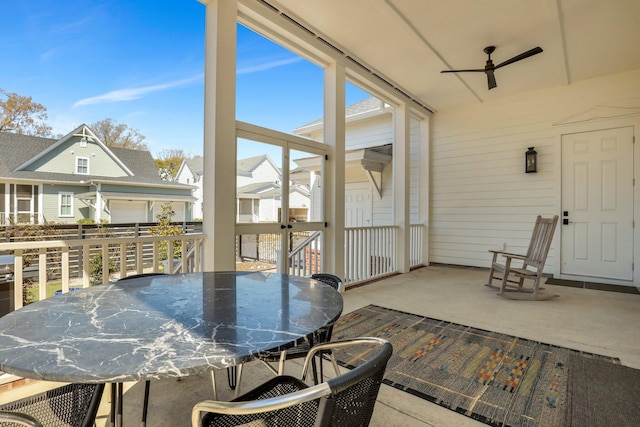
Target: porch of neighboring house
x,y
588,320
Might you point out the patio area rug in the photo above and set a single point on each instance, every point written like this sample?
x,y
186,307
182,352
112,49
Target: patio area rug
x,y
495,378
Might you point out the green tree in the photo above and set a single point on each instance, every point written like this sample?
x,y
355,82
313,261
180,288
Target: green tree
x,y
165,228
168,163
114,134
19,114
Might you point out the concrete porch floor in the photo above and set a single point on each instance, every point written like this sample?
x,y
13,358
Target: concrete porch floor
x,y
601,322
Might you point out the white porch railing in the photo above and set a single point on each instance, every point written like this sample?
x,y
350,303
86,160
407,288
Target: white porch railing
x,y
415,245
304,260
119,256
370,252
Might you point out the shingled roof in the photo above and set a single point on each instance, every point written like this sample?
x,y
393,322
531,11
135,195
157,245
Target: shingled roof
x,y
369,105
16,150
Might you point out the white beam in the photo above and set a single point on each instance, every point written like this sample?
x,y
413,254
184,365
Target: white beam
x,y
219,135
423,182
334,137
401,173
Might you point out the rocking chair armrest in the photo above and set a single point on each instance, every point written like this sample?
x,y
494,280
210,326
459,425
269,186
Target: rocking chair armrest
x,y
508,254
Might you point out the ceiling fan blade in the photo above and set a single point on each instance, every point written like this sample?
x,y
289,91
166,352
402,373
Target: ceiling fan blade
x,y
534,51
477,70
491,79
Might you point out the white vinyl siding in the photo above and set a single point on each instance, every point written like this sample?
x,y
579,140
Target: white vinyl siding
x,y
481,198
65,205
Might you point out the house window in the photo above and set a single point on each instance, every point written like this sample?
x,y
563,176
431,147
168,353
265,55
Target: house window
x,y
65,205
82,165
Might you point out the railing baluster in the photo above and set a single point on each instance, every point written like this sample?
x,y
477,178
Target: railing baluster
x,y
85,265
65,268
139,258
17,279
42,273
123,260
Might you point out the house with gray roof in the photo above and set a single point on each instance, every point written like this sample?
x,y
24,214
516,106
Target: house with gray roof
x,y
78,177
258,183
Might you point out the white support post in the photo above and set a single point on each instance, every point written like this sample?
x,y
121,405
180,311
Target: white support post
x,y
219,188
423,172
401,176
333,253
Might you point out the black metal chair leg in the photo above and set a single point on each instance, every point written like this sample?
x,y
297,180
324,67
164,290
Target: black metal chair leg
x,y
145,404
232,376
112,416
119,417
315,370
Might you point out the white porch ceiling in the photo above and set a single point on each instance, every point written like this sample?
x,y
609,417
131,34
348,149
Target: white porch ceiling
x,y
408,42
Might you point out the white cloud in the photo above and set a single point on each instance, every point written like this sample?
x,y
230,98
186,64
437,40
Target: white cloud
x,y
131,94
267,65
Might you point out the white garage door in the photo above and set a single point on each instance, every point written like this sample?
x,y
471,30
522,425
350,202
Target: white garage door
x,y
126,211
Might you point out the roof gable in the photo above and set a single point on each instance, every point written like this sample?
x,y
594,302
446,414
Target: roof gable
x,y
82,136
364,109
22,157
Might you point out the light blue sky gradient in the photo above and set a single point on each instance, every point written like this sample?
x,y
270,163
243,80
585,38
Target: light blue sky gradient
x,y
142,63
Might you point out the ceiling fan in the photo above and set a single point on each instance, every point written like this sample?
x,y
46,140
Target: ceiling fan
x,y
489,68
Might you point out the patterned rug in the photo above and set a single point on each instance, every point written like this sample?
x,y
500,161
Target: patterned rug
x,y
494,378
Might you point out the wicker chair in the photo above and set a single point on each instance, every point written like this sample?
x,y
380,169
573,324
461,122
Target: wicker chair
x,y
234,373
72,405
345,400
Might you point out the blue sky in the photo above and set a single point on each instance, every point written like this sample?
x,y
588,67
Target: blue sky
x,y
142,63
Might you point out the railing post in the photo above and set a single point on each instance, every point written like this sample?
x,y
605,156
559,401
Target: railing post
x,y
184,268
85,265
42,273
105,263
139,259
17,279
170,256
65,269
123,260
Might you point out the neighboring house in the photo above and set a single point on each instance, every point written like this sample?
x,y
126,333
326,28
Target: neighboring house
x,y
78,177
190,173
368,166
258,182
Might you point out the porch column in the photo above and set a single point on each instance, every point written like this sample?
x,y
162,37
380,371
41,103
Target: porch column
x,y
218,187
401,174
40,203
423,186
98,205
334,137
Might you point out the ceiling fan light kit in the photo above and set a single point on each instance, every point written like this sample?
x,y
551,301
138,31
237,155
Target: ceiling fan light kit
x,y
489,67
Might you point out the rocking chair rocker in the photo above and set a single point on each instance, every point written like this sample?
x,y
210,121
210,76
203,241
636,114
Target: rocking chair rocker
x,y
513,278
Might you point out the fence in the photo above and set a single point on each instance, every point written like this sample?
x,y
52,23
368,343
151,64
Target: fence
x,y
32,233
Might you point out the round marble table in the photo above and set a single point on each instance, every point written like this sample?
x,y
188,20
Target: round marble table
x,y
162,326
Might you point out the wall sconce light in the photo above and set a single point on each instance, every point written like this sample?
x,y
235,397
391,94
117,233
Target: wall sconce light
x,y
531,161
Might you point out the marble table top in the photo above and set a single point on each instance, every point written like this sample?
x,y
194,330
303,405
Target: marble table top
x,y
162,326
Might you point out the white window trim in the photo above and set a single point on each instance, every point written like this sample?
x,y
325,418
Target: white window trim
x,y
78,158
60,194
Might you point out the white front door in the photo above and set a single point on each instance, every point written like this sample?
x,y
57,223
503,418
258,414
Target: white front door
x,y
357,205
597,204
